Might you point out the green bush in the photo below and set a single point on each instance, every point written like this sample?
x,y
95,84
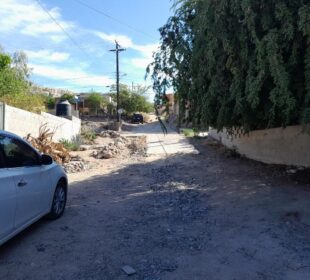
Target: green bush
x,y
88,137
67,96
188,132
95,101
50,102
74,144
29,102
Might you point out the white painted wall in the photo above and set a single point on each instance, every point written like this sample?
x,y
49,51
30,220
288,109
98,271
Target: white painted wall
x,y
289,146
23,122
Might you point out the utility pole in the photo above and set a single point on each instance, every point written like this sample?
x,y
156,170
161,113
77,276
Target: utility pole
x,y
117,50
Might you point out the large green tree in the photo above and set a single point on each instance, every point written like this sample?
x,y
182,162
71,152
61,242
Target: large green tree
x,y
14,83
13,76
95,101
238,63
134,100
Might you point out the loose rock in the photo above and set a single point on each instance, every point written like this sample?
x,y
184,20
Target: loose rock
x,y
128,270
109,133
75,166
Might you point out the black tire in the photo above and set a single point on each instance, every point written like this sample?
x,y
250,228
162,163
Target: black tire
x,y
59,201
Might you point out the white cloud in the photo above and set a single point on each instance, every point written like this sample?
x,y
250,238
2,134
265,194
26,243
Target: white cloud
x,y
71,75
57,38
123,40
20,18
141,62
47,56
127,42
146,51
28,18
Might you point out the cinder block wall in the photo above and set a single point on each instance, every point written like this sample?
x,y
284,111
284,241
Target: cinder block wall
x,y
289,146
23,122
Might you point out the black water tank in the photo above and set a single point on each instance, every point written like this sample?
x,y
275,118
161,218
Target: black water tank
x,y
63,109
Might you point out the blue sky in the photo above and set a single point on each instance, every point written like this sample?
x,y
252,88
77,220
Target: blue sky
x,y
86,64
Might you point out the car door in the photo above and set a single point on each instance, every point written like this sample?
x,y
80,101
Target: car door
x,y
23,164
7,200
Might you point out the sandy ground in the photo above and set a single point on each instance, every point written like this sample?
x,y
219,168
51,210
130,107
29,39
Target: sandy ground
x,y
171,215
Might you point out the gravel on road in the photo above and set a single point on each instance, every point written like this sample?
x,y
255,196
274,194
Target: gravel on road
x,y
177,216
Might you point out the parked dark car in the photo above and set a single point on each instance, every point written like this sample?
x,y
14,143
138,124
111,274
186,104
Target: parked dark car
x,y
137,118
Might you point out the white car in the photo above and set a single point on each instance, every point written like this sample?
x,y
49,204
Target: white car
x,y
31,186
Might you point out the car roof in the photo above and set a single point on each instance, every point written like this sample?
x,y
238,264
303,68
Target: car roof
x,y
6,133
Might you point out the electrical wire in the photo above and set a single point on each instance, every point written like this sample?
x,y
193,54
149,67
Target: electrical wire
x,y
63,29
76,43
115,19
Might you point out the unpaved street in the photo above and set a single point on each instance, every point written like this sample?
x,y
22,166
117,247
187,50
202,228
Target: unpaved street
x,y
172,215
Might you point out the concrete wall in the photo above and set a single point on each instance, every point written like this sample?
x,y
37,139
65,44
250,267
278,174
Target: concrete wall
x,y
23,122
289,146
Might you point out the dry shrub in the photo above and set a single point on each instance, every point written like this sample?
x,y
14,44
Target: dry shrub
x,y
44,144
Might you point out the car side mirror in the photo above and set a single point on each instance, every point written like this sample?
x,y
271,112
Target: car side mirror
x,y
46,160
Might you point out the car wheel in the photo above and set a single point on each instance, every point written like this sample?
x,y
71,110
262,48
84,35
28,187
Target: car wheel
x,y
59,201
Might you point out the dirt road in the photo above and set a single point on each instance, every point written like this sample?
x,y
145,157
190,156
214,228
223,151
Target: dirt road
x,y
172,216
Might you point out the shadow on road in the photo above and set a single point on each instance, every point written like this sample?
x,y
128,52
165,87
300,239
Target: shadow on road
x,y
173,218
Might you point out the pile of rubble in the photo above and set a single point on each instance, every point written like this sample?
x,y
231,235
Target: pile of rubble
x,y
109,133
121,146
109,144
107,151
44,144
77,164
96,127
137,145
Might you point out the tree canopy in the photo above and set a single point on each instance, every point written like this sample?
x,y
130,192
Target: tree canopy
x,y
238,63
67,96
14,83
134,100
95,101
13,78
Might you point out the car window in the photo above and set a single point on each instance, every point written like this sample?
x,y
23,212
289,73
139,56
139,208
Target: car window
x,y
17,153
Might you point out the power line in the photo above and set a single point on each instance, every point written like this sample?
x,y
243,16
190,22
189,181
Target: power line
x,y
63,29
115,19
77,44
